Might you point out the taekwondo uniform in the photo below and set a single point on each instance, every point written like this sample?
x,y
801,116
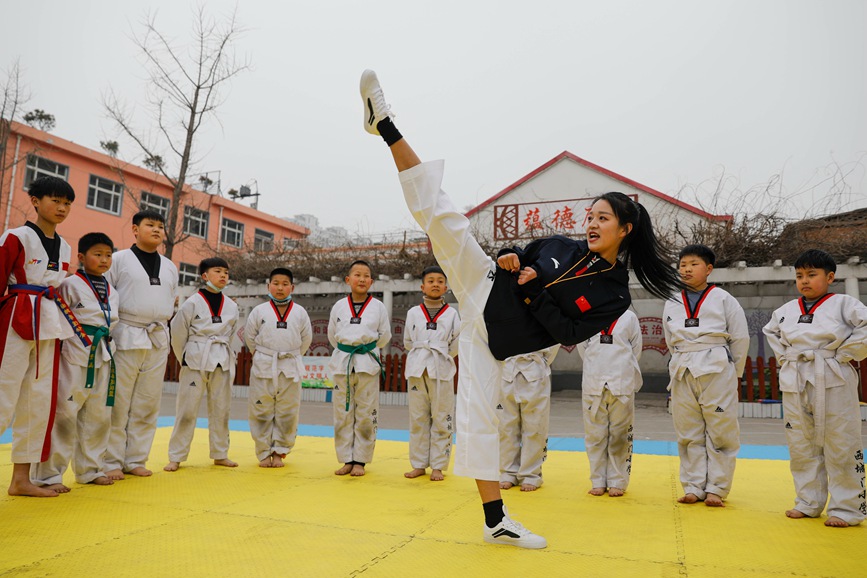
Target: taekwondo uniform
x,y
609,379
525,411
277,343
86,387
820,401
431,342
33,320
575,295
708,344
142,341
204,341
357,338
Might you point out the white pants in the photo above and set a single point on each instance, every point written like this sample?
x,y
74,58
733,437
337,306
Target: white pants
x,y
705,411
524,422
837,464
140,374
26,398
192,386
355,429
275,405
471,274
608,438
431,411
81,428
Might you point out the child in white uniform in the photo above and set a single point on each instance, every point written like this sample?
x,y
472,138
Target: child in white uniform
x,y
86,383
609,379
278,333
358,329
706,331
525,414
147,283
204,341
814,338
34,260
431,341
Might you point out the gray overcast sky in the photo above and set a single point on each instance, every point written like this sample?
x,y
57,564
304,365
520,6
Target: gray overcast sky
x,y
666,93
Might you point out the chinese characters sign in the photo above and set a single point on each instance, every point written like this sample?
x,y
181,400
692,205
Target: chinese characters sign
x,y
530,220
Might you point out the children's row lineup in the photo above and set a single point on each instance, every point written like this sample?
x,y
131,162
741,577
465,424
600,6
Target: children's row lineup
x,y
107,378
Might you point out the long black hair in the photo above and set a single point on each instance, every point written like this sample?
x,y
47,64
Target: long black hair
x,y
642,249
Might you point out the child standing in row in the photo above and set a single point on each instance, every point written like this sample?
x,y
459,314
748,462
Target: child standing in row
x,y
431,341
706,331
525,412
86,381
814,338
34,259
148,283
278,333
203,340
357,329
609,379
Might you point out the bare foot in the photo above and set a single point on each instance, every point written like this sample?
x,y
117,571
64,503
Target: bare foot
x,y
688,499
59,488
414,473
713,501
615,492
28,488
437,475
226,462
529,488
277,461
835,522
343,470
266,463
140,471
796,514
506,485
102,481
114,475
357,470
597,491
172,466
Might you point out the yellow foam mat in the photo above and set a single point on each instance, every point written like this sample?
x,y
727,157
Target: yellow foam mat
x,y
302,520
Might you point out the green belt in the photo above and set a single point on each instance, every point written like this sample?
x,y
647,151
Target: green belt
x,y
352,350
98,333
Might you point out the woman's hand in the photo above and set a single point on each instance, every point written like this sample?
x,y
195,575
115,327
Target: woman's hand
x,y
527,274
509,262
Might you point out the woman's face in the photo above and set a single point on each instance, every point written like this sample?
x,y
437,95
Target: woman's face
x,y
604,232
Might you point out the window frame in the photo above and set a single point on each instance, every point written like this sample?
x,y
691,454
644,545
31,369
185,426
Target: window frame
x,y
188,274
203,217
146,205
33,172
224,230
263,241
96,184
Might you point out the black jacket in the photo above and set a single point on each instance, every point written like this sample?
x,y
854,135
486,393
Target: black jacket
x,y
575,295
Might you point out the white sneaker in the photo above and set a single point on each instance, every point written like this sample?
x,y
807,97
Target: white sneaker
x,y
511,533
375,107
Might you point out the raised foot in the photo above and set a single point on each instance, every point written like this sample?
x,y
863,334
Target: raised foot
x,y
172,466
835,522
140,471
226,463
713,501
598,491
28,488
437,475
414,473
688,499
344,470
115,475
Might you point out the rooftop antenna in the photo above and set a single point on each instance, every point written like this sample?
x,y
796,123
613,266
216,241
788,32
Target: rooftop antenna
x,y
249,190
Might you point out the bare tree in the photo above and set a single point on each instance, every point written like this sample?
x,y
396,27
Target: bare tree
x,y
14,96
183,91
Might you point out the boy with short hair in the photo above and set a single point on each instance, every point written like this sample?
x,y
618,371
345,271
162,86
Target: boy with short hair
x,y
203,332
147,283
34,259
86,381
357,329
431,341
814,338
524,413
277,333
706,331
609,379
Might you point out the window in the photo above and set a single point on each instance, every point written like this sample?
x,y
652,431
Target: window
x,y
196,222
40,167
263,241
232,233
152,202
104,195
289,243
188,274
